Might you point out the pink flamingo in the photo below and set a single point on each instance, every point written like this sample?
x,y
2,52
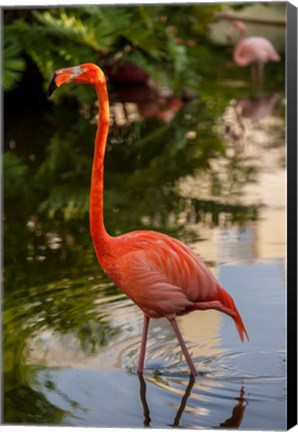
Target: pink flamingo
x,y
159,273
254,51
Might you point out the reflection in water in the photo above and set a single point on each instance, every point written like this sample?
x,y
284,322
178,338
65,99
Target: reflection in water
x,y
30,406
182,406
257,108
238,412
184,401
234,421
235,244
147,418
243,112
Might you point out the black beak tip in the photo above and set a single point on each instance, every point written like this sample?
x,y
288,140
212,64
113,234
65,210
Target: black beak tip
x,y
52,84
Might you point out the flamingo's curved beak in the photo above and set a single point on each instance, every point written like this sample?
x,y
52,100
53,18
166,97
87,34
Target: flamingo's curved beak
x,y
230,33
52,85
63,76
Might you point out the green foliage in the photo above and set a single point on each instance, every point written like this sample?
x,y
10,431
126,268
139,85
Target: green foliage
x,y
67,202
67,27
15,176
13,63
147,36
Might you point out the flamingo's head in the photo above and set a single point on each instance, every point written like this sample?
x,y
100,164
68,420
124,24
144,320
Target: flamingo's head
x,y
237,25
87,73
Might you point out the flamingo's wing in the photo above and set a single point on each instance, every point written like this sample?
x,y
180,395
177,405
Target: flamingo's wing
x,y
166,277
258,49
246,52
149,288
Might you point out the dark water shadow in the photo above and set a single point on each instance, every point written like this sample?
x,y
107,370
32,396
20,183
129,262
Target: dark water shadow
x,y
234,421
238,412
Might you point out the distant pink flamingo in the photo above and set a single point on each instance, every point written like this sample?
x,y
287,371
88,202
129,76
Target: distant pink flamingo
x,y
159,273
254,51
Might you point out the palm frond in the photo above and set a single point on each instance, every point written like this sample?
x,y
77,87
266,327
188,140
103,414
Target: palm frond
x,y
68,27
13,63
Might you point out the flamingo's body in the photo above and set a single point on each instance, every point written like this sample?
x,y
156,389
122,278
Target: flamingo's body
x,y
254,51
159,273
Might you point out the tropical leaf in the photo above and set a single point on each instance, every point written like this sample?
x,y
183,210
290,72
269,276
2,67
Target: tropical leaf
x,y
145,36
108,20
15,175
69,201
68,27
13,63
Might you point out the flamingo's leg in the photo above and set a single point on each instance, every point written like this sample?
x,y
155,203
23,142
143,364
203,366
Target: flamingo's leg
x,y
254,73
143,344
183,347
260,69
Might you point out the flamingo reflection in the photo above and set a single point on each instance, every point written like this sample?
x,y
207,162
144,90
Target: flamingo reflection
x,y
246,111
238,412
234,420
256,109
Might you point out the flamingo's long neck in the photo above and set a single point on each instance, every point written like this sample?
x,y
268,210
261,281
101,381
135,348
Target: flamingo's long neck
x,y
100,237
238,58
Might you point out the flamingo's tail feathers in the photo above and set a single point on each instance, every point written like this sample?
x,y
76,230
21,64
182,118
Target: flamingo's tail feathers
x,y
275,56
230,308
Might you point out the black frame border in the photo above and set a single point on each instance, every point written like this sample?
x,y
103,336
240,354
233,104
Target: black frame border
x,y
291,89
